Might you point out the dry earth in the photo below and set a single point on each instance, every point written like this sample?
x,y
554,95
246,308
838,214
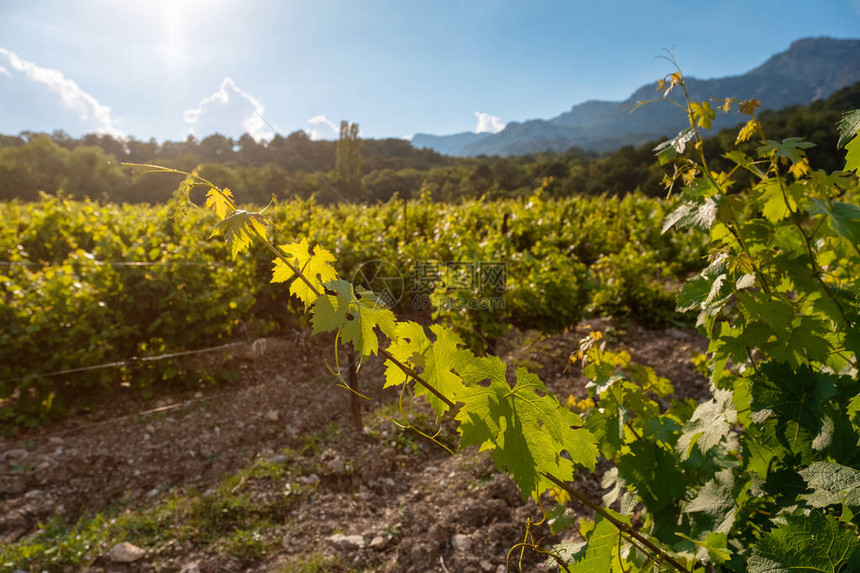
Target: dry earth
x,y
385,500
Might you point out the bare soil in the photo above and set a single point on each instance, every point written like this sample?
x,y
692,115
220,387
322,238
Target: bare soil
x,y
416,507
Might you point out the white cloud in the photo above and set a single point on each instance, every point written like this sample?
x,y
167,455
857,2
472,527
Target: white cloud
x,y
88,109
229,111
321,127
488,123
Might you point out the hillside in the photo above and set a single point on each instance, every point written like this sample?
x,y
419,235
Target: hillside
x,y
811,69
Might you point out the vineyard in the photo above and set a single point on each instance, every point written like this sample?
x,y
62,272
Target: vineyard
x,y
89,284
760,474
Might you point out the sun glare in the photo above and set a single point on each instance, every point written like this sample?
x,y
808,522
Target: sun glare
x,y
175,21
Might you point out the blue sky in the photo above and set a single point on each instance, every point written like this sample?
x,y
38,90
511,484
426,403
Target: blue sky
x,y
167,68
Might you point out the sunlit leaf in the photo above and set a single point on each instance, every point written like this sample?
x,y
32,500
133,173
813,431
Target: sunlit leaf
x,y
239,230
438,361
221,200
703,114
525,426
356,319
316,267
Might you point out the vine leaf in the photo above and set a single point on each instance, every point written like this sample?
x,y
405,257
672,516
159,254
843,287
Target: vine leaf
x,y
316,267
525,426
439,361
711,421
745,161
355,318
812,542
852,158
791,149
599,550
239,229
700,215
791,415
222,201
832,484
654,472
844,217
568,552
672,148
848,127
715,504
747,131
703,114
775,207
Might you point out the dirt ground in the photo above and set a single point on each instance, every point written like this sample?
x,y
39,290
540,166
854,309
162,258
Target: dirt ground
x,y
384,500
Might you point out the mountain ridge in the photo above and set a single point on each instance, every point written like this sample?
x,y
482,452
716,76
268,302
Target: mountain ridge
x,y
810,69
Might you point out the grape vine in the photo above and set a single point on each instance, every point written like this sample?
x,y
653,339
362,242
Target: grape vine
x,y
761,477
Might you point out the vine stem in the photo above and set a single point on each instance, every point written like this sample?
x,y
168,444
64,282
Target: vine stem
x,y
620,525
417,377
734,228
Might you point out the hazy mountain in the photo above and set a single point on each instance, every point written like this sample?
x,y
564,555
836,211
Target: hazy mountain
x,y
447,144
811,69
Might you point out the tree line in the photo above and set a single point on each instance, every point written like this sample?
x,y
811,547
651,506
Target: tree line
x,y
366,170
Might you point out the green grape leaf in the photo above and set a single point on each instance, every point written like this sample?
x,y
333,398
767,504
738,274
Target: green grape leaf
x,y
599,550
700,188
790,413
775,208
706,293
710,423
355,318
607,426
716,546
693,294
791,148
812,542
700,215
568,552
703,114
525,426
852,158
672,148
220,200
559,518
853,409
715,503
316,267
848,127
745,161
654,472
438,361
844,218
239,229
832,484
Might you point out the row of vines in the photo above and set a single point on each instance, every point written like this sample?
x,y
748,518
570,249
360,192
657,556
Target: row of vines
x,y
87,284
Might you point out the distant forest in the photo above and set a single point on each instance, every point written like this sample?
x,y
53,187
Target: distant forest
x,y
296,166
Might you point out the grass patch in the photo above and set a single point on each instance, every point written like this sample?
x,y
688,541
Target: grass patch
x,y
231,519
